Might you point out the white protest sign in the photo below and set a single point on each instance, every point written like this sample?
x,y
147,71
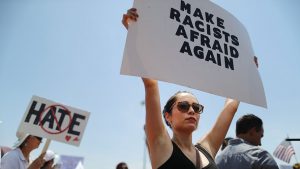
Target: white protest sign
x,y
54,121
196,44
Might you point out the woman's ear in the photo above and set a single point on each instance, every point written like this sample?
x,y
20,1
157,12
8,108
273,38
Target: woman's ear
x,y
168,117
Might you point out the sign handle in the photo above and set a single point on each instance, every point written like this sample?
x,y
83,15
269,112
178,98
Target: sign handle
x,y
46,145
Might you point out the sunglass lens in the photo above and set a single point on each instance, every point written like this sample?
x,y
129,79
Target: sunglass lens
x,y
183,106
196,107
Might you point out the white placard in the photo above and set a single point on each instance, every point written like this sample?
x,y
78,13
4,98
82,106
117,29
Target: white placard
x,y
54,121
196,44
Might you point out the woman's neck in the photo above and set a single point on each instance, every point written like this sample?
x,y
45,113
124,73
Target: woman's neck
x,y
184,141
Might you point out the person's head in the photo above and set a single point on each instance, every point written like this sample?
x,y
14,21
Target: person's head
x,y
182,110
27,141
225,142
122,165
250,128
49,160
296,166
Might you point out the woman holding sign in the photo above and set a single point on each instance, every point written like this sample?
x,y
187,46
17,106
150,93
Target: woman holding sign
x,y
18,158
182,114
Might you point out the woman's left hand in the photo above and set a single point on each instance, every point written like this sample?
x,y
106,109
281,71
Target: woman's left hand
x,y
130,15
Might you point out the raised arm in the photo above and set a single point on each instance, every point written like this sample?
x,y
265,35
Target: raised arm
x,y
158,140
154,123
214,138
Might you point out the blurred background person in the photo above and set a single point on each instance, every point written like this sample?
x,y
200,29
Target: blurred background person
x,y
245,151
122,165
49,160
18,158
225,142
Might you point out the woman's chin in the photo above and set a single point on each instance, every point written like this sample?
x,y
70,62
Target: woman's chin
x,y
191,127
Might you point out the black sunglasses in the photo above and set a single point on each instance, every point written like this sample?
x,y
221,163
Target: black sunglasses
x,y
185,107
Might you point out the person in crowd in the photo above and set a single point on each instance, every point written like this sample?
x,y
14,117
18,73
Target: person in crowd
x,y
225,142
18,158
49,160
245,151
4,150
296,166
182,114
122,165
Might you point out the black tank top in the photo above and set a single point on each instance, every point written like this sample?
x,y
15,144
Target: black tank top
x,y
179,161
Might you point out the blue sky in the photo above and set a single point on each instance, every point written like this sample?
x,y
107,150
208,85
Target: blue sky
x,y
70,51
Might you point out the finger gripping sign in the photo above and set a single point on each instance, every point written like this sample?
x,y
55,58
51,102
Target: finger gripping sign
x,y
54,121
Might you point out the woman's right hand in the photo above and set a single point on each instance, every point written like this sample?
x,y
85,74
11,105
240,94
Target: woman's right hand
x,y
38,162
131,15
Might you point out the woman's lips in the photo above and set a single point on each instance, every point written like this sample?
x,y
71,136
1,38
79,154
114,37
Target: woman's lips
x,y
191,119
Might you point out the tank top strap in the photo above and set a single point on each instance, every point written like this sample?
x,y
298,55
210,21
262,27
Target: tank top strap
x,y
212,164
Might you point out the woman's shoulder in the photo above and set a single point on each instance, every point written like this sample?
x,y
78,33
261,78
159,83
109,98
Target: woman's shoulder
x,y
14,153
204,149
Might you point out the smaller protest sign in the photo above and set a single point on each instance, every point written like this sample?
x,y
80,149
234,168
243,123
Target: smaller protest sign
x,y
54,121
